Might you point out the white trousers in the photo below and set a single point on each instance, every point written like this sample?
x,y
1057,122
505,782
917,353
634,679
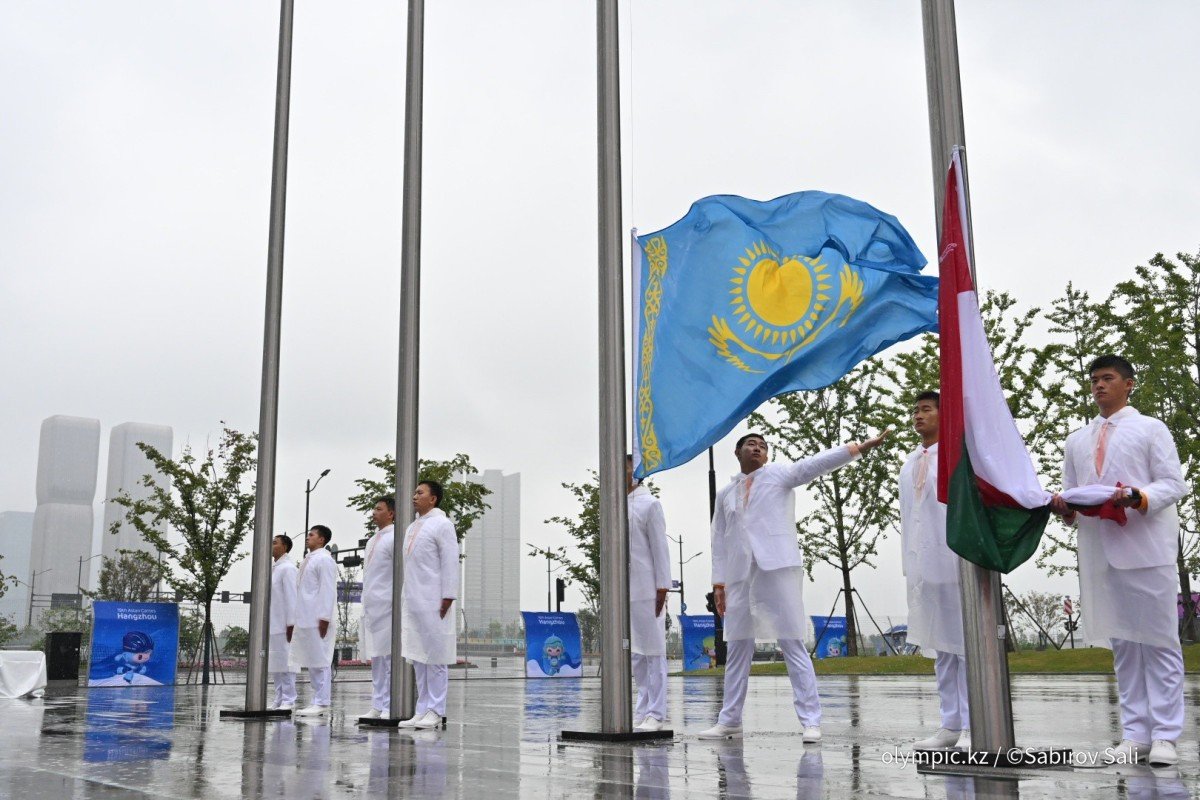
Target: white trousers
x,y
433,681
320,678
381,682
1150,685
739,654
951,672
650,673
285,688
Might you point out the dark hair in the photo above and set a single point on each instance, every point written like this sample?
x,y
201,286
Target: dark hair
x,y
936,397
1123,367
435,489
742,440
323,532
287,541
389,501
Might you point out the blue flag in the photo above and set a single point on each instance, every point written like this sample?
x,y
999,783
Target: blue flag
x,y
741,301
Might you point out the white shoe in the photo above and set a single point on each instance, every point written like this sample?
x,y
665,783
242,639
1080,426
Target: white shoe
x,y
411,722
812,734
650,724
1129,752
312,711
273,707
720,731
374,713
942,739
1163,754
432,719
284,707
964,740
637,721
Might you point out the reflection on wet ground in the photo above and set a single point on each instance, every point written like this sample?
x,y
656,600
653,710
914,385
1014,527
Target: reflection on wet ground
x,y
501,742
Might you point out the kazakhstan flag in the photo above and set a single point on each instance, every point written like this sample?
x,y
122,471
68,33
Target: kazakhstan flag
x,y
741,301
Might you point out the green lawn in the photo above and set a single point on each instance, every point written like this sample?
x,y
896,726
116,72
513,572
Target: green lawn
x,y
1094,660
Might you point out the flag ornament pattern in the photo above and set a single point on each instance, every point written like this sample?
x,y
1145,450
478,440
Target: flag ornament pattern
x,y
742,300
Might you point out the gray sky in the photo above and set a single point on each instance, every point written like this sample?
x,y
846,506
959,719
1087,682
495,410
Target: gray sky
x,y
135,145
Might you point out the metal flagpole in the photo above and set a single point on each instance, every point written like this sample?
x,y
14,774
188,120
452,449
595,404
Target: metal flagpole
x,y
403,694
268,415
982,606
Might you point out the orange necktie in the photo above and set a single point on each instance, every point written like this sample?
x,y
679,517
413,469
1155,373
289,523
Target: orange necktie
x,y
1102,446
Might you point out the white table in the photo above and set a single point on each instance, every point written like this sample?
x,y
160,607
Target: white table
x,y
21,672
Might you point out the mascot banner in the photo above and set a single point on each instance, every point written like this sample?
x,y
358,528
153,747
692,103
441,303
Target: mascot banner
x,y
830,633
134,644
553,648
699,641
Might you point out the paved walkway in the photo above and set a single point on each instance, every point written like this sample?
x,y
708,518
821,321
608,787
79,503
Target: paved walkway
x,y
501,742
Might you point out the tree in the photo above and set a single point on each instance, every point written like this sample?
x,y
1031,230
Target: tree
x,y
7,630
855,505
131,577
1036,612
348,577
191,630
237,640
209,505
463,501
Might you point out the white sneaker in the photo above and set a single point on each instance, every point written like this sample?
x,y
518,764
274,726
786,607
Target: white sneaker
x,y
650,724
374,713
637,721
411,722
273,707
1129,752
1163,754
720,731
284,707
432,719
942,739
812,734
964,741
312,711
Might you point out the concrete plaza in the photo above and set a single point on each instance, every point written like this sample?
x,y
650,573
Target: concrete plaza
x,y
502,741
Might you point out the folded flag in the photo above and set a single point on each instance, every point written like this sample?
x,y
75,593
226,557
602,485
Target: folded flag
x,y
741,301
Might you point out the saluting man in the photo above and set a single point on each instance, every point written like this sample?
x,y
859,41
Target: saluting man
x,y
283,618
1127,575
377,604
758,574
316,606
649,582
430,589
931,574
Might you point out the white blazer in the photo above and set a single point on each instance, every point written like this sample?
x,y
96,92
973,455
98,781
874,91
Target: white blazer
x,y
649,556
316,598
283,595
764,527
925,555
1140,453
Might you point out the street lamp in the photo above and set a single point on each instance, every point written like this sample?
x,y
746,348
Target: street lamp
x,y
549,584
31,584
679,541
308,489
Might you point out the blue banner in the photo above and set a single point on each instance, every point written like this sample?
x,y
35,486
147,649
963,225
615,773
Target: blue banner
x,y
134,644
553,647
741,301
699,641
831,636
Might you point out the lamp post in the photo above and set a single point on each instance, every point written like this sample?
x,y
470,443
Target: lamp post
x,y
31,584
549,572
308,490
679,541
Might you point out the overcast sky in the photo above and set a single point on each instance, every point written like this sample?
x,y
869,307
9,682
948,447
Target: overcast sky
x,y
135,151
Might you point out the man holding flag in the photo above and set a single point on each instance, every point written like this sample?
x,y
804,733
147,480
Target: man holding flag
x,y
1127,574
758,572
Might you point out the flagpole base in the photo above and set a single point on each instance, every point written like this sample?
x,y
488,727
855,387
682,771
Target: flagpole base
x,y
625,736
245,715
991,762
390,722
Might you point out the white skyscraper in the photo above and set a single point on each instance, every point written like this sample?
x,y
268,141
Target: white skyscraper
x,y
68,457
126,466
492,567
16,539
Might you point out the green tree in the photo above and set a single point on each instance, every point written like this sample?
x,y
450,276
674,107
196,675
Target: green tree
x,y
1036,612
8,630
463,501
347,576
132,577
854,505
191,631
209,506
237,640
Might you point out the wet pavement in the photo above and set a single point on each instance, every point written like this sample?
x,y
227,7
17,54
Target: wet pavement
x,y
501,742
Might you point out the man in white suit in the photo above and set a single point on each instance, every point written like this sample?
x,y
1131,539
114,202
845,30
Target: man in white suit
x,y
377,604
316,608
931,577
1127,575
649,582
758,572
430,589
283,618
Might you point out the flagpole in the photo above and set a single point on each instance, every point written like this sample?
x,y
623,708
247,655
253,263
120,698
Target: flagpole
x,y
268,415
984,632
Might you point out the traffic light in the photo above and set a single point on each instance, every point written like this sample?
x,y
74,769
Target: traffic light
x,y
352,561
225,597
560,590
246,597
710,603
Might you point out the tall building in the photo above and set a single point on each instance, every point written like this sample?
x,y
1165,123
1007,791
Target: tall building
x,y
492,566
68,457
16,539
126,466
